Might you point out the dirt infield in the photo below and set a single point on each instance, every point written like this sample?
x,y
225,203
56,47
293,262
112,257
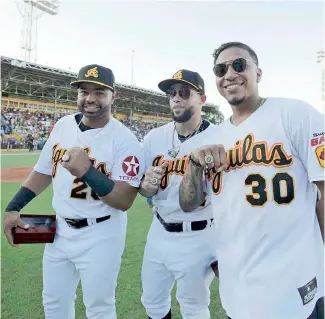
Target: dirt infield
x,y
15,174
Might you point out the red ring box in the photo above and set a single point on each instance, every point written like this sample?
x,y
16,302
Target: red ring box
x,y
41,229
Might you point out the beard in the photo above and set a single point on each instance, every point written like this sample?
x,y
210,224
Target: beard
x,y
185,117
101,111
236,101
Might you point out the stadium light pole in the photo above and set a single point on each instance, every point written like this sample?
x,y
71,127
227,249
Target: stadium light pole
x,y
32,10
321,61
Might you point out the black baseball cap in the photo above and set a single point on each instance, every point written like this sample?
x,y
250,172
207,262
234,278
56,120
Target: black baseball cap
x,y
191,78
97,74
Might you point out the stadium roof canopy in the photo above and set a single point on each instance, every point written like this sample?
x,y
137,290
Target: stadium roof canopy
x,y
38,82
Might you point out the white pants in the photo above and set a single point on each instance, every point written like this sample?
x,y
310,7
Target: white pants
x,y
182,257
92,256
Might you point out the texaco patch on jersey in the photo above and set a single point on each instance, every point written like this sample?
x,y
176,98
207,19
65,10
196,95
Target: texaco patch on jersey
x,y
131,166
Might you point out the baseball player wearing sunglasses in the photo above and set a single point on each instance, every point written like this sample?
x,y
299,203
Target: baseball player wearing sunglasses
x,y
180,246
268,222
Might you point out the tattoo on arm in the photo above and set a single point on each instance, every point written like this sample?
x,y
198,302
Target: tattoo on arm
x,y
191,194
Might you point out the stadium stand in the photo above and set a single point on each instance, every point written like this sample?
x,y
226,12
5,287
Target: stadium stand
x,y
35,96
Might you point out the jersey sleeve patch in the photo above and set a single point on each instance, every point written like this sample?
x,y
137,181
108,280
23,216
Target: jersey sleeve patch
x,y
131,168
320,154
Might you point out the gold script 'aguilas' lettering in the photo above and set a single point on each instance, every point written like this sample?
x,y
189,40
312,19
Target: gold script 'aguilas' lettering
x,y
248,152
176,166
58,152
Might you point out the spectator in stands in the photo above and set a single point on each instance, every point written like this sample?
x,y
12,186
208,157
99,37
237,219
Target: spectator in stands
x,y
40,143
30,142
40,123
139,128
11,143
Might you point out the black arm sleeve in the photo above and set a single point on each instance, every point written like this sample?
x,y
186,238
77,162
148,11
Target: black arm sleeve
x,y
98,181
20,200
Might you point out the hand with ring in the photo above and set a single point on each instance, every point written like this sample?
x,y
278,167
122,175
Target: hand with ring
x,y
152,178
76,161
154,181
65,158
211,156
208,159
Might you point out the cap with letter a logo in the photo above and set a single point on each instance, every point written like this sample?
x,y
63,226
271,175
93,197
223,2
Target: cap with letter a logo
x,y
97,74
320,153
191,78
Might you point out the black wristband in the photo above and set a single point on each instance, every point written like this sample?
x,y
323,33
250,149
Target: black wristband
x,y
20,200
98,182
195,163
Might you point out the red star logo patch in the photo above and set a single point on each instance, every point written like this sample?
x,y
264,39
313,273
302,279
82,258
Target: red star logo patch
x,y
131,166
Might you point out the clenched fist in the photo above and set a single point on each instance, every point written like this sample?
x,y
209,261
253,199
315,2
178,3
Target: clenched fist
x,y
76,161
152,178
211,156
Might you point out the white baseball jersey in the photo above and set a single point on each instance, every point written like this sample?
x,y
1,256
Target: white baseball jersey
x,y
157,144
114,150
269,244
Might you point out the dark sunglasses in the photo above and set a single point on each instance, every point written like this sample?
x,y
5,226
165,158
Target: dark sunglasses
x,y
239,65
183,92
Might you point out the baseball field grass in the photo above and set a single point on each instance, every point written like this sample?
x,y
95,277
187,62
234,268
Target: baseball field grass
x,y
21,268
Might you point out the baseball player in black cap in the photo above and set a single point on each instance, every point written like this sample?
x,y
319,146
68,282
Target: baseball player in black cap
x,y
179,246
95,165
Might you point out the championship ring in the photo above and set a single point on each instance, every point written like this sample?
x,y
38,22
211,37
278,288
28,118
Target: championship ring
x,y
65,158
154,181
208,159
157,170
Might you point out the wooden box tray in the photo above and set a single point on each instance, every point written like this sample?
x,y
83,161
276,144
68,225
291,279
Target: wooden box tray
x,y
41,229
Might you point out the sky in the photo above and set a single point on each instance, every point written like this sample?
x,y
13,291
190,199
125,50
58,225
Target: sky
x,y
169,36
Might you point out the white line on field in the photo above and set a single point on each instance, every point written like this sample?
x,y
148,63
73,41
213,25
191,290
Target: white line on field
x,y
16,154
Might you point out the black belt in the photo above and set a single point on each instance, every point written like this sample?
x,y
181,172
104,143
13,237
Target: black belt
x,y
81,223
178,227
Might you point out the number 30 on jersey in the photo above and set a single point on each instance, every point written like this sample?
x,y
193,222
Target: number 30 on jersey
x,y
281,188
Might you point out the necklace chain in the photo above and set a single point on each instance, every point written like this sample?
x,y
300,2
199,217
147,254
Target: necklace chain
x,y
262,102
175,150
